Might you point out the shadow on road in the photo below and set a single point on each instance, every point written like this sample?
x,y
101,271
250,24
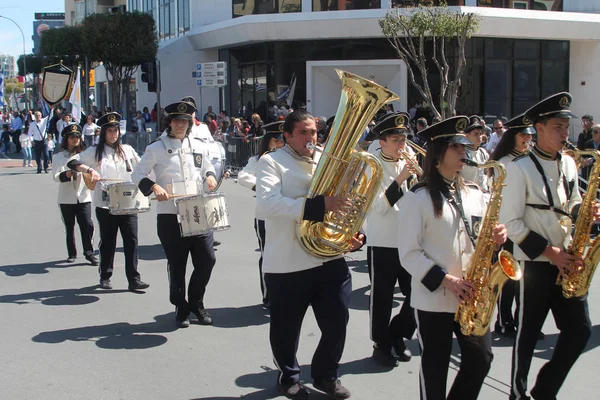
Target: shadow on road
x,y
150,252
117,336
39,268
240,317
265,383
360,299
59,297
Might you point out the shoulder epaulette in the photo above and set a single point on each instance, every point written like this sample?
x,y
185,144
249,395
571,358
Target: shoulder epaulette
x,y
520,157
418,186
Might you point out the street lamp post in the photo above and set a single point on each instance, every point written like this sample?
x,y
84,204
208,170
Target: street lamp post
x,y
24,59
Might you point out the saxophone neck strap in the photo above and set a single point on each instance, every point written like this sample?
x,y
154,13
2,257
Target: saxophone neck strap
x,y
456,202
550,205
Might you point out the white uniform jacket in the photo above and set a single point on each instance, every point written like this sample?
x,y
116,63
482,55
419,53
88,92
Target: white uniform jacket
x,y
474,174
70,190
283,179
507,159
533,229
247,176
201,132
180,167
431,247
381,221
112,166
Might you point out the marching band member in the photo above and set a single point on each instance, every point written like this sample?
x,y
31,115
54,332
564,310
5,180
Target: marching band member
x,y
296,279
478,154
111,159
200,129
514,143
271,141
438,223
385,268
540,199
74,198
180,163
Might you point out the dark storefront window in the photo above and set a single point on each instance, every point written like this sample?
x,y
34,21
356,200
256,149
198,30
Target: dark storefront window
x,y
413,3
543,5
249,7
503,76
335,5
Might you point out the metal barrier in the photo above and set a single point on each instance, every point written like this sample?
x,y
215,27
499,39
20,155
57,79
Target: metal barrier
x,y
238,150
138,140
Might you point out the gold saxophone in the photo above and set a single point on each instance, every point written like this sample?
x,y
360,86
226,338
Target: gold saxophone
x,y
474,316
577,283
342,171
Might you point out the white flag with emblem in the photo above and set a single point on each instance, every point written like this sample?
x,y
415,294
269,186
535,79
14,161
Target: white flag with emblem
x,y
75,98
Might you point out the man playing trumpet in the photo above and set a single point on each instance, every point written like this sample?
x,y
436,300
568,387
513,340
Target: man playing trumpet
x,y
384,265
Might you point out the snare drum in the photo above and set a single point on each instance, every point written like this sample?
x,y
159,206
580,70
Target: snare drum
x,y
202,214
216,152
126,198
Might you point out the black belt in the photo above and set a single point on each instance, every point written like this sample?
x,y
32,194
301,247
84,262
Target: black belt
x,y
547,207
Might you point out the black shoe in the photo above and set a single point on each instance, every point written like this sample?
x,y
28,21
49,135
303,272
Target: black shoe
x,y
137,284
508,331
403,354
105,284
203,316
333,389
46,171
92,259
39,172
294,391
216,243
181,319
71,259
384,357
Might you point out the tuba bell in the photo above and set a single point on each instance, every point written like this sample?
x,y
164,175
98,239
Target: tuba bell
x,y
344,172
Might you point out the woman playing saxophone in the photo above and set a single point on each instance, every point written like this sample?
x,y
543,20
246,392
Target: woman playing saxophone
x,y
438,225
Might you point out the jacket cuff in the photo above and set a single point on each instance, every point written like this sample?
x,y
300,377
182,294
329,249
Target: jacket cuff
x,y
73,164
393,193
533,245
433,278
145,186
210,173
314,209
63,177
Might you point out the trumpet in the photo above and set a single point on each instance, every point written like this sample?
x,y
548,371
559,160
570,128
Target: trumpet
x,y
416,147
405,155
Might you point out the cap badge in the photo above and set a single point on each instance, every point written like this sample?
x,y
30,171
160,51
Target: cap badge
x,y
461,124
182,108
527,120
564,101
400,121
111,118
281,128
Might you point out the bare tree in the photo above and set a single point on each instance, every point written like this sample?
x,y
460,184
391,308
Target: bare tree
x,y
410,30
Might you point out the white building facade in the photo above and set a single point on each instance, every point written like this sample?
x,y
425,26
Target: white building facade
x,y
520,54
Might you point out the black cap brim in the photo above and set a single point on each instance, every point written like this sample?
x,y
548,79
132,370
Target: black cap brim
x,y
403,132
564,114
181,116
459,139
75,134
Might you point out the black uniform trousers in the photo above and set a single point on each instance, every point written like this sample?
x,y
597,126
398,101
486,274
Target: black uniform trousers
x,y
435,338
177,249
109,226
82,212
539,294
15,138
40,149
261,235
327,288
385,272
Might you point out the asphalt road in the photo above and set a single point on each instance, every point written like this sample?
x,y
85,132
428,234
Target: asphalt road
x,y
63,338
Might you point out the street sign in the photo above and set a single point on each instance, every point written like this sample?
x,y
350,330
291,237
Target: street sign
x,y
211,66
212,74
211,82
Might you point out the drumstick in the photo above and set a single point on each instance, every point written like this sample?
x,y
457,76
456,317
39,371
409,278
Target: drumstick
x,y
111,179
175,196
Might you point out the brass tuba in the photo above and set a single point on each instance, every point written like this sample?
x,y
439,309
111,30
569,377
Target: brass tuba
x,y
343,172
474,316
577,283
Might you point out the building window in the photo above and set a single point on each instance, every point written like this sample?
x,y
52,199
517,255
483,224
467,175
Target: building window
x,y
543,5
166,19
133,5
335,5
183,16
414,3
248,7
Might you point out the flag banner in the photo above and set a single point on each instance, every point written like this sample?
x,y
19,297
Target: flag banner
x,y
56,84
285,94
75,98
1,88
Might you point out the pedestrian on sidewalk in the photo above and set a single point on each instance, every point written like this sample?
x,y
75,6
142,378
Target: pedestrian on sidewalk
x,y
74,198
25,141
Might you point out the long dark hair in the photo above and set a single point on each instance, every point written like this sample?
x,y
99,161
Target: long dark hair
x,y
263,145
64,145
433,179
102,144
504,147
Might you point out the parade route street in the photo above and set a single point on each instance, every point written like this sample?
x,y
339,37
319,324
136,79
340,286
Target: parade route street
x,y
63,338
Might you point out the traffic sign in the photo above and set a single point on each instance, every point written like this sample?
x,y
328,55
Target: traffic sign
x,y
211,66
